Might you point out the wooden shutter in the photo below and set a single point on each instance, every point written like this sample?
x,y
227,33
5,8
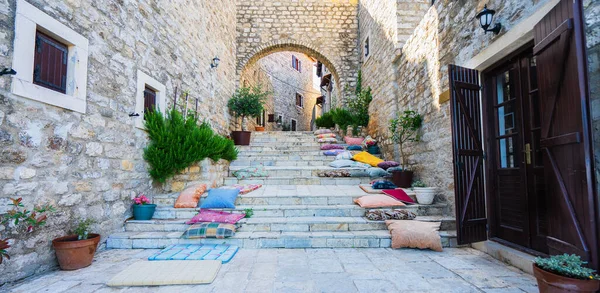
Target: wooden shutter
x,y
468,155
294,64
149,99
565,134
50,63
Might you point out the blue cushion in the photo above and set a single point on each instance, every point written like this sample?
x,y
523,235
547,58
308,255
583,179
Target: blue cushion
x,y
354,148
220,199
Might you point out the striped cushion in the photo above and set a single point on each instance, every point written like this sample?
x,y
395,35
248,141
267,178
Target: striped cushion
x,y
209,230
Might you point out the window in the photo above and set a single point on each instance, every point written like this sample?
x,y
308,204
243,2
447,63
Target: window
x,y
150,95
299,100
50,60
50,63
296,63
366,49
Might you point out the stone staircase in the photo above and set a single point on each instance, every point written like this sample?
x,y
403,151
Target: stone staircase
x,y
294,209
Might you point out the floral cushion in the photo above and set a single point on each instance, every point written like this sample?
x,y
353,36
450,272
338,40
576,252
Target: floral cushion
x,y
220,199
387,164
322,131
353,140
209,230
367,158
329,139
334,173
332,152
344,156
216,217
326,135
190,196
331,147
258,171
354,148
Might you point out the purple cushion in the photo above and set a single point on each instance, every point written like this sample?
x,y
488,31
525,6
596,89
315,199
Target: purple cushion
x,y
216,216
387,164
333,152
331,147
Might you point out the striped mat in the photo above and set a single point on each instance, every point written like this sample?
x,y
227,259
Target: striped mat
x,y
220,252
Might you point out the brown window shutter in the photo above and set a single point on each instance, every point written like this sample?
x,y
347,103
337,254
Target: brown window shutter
x,y
50,63
149,99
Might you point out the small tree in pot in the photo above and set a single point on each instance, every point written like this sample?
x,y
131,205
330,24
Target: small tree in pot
x,y
246,102
77,251
564,273
405,129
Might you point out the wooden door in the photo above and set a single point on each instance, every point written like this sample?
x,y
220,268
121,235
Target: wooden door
x,y
467,155
294,125
565,132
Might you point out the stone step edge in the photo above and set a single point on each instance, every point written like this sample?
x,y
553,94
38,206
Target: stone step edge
x,y
295,220
302,207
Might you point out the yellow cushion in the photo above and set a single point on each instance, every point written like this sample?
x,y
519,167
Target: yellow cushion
x,y
367,158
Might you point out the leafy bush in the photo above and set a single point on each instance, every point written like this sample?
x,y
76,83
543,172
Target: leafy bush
x,y
342,118
570,266
359,104
326,120
418,183
177,143
405,129
247,102
83,229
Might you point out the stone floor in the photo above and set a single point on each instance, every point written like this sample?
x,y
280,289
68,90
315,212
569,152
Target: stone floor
x,y
458,270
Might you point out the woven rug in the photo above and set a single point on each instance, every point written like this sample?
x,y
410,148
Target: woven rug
x,y
220,252
157,273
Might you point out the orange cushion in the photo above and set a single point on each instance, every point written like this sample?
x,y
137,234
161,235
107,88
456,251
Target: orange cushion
x,y
377,201
190,196
415,234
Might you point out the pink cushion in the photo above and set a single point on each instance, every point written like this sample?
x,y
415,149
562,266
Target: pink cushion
x,y
399,194
331,147
215,216
353,140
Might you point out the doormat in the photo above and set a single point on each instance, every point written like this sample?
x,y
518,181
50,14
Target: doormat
x,y
368,189
220,252
158,273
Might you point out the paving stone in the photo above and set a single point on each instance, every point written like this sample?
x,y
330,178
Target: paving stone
x,y
370,286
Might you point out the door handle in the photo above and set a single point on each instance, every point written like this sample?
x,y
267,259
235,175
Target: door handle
x,y
527,152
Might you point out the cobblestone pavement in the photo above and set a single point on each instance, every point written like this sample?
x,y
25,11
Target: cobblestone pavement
x,y
458,270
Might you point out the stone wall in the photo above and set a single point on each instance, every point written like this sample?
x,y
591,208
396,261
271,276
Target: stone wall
x,y
447,34
324,29
89,165
276,72
592,18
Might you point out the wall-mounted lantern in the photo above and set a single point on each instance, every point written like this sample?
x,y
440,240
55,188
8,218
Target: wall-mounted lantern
x,y
7,71
486,16
215,62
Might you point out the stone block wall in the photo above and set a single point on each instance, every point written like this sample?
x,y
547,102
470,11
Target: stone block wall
x,y
276,71
324,29
591,11
89,165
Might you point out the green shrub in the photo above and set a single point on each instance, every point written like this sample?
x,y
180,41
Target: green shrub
x,y
570,266
358,105
176,143
326,120
342,118
405,129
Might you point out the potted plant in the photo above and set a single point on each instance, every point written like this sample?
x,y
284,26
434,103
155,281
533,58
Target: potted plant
x,y
424,194
76,251
372,147
246,102
142,208
564,273
405,129
259,128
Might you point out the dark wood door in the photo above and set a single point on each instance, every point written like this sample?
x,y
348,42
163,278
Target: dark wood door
x,y
565,132
294,125
467,149
515,167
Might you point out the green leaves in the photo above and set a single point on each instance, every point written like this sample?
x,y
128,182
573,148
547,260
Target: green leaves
x,y
567,265
247,101
405,129
326,120
177,143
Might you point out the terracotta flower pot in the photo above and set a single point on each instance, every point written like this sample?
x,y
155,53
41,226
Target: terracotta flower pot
x,y
73,254
553,283
241,137
402,178
259,128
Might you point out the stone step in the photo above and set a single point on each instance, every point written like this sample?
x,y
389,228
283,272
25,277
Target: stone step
x,y
349,239
285,139
299,180
277,147
263,211
297,171
281,153
248,162
284,224
299,144
283,158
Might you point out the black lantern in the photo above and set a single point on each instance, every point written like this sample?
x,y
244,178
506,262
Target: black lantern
x,y
215,62
486,16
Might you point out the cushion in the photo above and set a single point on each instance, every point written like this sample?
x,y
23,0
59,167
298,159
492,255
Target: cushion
x,y
382,215
334,173
326,135
383,184
220,199
367,158
322,131
331,147
354,148
388,164
216,217
344,156
353,140
209,230
394,169
377,201
377,172
368,189
256,171
329,139
400,195
341,163
243,188
415,234
189,197
332,152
